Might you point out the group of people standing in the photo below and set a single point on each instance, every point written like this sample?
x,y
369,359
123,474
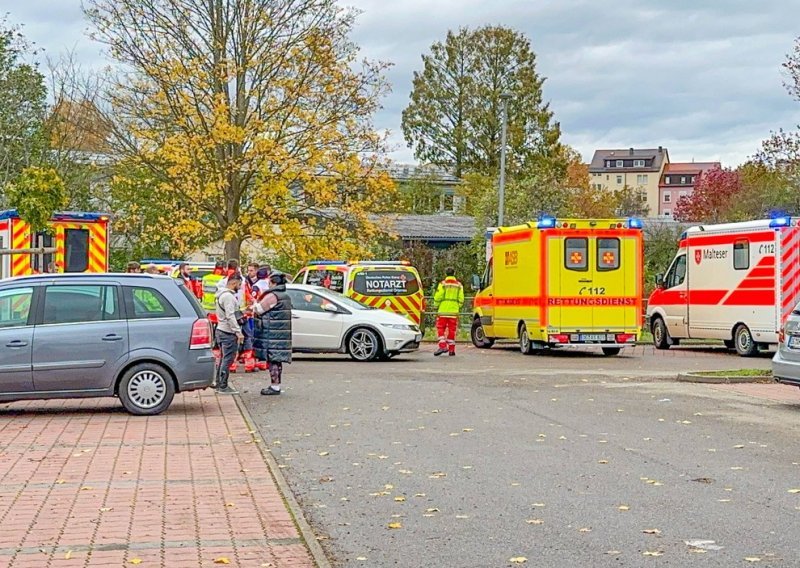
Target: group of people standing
x,y
252,314
254,321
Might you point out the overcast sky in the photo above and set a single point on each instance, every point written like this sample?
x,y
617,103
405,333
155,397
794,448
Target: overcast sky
x,y
699,77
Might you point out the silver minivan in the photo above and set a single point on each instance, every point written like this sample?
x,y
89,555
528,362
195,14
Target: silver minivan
x,y
136,336
786,362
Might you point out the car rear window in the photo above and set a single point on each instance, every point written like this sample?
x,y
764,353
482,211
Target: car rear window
x,y
147,303
198,309
385,283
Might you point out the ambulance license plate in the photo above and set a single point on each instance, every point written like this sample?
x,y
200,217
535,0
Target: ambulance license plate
x,y
592,337
794,342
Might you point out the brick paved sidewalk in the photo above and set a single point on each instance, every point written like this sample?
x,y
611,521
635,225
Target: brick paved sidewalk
x,y
771,391
82,483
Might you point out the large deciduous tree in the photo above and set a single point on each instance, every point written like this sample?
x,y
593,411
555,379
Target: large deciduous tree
x,y
251,118
781,151
713,198
22,107
454,118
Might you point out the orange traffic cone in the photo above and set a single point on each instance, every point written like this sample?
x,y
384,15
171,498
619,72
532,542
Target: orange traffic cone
x,y
262,365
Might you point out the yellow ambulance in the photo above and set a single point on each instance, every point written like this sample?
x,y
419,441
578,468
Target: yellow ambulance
x,y
387,285
562,282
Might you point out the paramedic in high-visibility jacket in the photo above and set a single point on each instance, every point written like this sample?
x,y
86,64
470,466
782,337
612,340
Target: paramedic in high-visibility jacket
x,y
449,298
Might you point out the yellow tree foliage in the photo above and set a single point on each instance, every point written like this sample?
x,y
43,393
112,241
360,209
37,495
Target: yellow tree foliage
x,y
251,119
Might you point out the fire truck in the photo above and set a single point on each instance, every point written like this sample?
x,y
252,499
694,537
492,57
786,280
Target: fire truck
x,y
562,283
76,242
737,282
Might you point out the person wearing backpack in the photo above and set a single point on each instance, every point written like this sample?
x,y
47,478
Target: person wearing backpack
x,y
229,329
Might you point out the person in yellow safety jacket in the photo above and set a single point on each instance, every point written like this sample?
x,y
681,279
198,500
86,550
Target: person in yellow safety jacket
x,y
210,282
449,298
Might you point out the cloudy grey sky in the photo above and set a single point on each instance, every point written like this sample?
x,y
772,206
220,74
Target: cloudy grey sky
x,y
700,77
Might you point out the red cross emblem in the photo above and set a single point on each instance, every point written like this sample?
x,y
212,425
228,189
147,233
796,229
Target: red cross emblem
x,y
576,258
608,258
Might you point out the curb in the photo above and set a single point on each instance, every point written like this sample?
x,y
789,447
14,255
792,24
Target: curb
x,y
305,530
723,380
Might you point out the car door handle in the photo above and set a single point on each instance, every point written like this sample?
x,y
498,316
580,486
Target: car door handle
x,y
17,343
112,337
295,317
585,281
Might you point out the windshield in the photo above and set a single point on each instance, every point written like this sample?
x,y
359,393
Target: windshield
x,y
385,283
343,300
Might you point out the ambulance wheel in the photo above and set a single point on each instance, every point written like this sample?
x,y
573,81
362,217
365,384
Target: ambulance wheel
x,y
611,351
478,336
525,345
745,345
660,334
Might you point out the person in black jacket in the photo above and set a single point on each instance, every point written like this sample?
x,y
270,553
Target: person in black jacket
x,y
273,330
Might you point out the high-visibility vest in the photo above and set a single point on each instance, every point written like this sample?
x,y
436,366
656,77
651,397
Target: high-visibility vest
x,y
210,282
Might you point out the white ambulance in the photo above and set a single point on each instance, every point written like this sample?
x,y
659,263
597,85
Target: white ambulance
x,y
737,282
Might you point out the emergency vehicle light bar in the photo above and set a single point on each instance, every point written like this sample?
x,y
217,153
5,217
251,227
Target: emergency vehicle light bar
x,y
780,222
327,262
546,222
634,223
381,262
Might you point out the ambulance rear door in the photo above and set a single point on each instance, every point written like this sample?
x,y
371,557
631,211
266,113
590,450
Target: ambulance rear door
x,y
568,271
615,289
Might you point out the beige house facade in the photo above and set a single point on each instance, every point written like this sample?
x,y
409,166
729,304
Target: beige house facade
x,y
635,168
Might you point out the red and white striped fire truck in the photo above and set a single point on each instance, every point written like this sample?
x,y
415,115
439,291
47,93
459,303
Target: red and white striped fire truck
x,y
737,282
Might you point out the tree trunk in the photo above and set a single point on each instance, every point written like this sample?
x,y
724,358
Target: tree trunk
x,y
233,248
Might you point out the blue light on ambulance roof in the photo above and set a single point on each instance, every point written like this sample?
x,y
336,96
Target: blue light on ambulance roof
x,y
634,223
546,222
780,222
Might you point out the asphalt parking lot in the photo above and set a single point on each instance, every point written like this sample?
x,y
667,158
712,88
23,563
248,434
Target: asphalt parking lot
x,y
566,459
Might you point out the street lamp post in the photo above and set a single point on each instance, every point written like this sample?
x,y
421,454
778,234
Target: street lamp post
x,y
504,97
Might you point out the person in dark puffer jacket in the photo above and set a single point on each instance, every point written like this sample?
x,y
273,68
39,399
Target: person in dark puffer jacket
x,y
273,330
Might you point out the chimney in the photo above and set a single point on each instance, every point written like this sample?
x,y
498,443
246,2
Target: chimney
x,y
631,150
660,150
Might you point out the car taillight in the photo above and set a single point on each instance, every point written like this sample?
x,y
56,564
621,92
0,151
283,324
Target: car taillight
x,y
201,335
560,338
625,338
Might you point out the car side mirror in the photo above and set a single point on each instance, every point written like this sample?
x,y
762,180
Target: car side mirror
x,y
659,280
476,282
330,308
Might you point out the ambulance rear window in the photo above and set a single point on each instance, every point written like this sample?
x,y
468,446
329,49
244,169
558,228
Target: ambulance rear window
x,y
607,254
385,283
576,252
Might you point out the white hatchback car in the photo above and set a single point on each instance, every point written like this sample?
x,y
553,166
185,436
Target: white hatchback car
x,y
324,321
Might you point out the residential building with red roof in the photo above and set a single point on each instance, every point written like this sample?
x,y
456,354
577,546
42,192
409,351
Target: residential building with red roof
x,y
678,180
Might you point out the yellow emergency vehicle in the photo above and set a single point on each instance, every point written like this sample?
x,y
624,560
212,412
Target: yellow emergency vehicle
x,y
77,241
387,285
562,282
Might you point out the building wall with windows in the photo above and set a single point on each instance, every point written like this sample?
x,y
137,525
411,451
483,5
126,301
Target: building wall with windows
x,y
678,180
637,169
